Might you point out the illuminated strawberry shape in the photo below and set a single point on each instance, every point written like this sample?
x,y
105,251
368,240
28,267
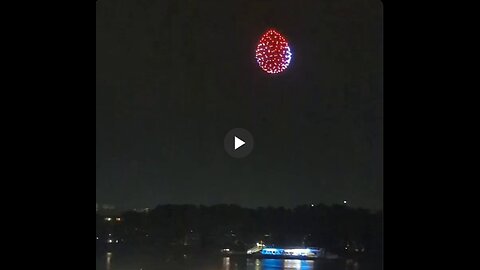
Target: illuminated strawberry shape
x,y
273,54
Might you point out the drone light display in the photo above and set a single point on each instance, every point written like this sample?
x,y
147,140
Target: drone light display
x,y
273,53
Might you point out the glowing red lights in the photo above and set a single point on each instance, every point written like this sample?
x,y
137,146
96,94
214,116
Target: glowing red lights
x,y
273,54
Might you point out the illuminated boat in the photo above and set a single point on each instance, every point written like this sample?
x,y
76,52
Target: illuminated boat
x,y
290,253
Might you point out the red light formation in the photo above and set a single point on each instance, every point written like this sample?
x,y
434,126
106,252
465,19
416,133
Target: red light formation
x,y
273,54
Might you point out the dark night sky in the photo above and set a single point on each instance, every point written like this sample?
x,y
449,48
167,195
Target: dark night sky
x,y
172,77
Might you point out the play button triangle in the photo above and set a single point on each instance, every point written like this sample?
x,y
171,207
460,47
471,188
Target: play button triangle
x,y
238,142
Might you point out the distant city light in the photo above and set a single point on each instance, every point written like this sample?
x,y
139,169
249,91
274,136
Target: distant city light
x,y
344,202
118,219
97,237
110,241
108,219
312,205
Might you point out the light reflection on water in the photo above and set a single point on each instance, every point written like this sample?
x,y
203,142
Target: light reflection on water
x,y
112,261
270,264
226,263
109,261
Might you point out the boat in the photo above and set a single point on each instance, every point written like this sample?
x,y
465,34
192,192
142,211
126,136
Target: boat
x,y
287,253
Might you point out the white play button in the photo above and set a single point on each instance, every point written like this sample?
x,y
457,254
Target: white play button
x,y
238,142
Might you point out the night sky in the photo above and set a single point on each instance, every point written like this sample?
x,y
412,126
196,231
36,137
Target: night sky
x,y
173,77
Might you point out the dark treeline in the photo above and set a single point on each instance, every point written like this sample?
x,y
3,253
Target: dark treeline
x,y
338,228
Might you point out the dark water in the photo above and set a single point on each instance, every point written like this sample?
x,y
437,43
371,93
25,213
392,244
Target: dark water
x,y
119,261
